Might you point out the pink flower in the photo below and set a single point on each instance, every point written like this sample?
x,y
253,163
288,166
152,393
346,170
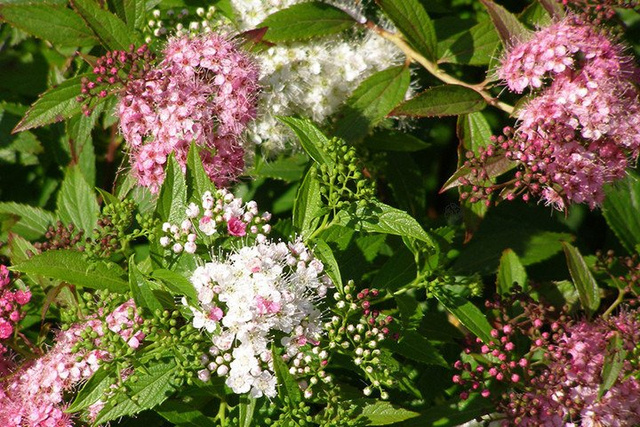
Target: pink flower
x,y
236,227
202,92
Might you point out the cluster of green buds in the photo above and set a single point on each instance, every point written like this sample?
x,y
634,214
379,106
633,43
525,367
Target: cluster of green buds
x,y
357,330
177,22
345,182
118,225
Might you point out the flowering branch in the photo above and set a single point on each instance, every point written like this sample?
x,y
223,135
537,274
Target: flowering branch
x,y
435,70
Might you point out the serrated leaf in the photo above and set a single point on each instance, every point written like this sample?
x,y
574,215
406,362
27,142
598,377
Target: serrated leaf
x,y
72,267
153,386
377,217
371,101
495,166
77,202
399,270
468,314
414,23
110,30
176,283
583,280
507,25
131,12
54,23
197,179
307,207
414,346
141,289
172,200
613,363
620,209
92,391
32,222
183,415
475,46
510,271
380,413
81,149
324,253
304,21
311,138
56,104
445,100
287,384
387,140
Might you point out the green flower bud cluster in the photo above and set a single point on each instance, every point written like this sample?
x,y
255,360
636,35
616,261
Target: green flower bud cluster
x,y
345,182
357,330
116,228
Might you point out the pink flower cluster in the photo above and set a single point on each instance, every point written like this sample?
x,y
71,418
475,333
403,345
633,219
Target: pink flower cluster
x,y
203,91
10,303
32,396
556,379
569,388
583,129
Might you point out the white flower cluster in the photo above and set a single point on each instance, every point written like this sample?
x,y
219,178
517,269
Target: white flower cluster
x,y
311,79
243,301
223,214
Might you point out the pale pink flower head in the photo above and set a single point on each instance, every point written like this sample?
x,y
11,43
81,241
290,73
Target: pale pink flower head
x,y
582,130
204,91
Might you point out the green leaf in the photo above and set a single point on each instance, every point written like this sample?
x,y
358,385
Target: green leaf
x,y
183,415
322,250
288,386
93,390
620,209
198,182
286,168
553,8
445,100
399,270
613,363
111,30
414,346
72,267
388,140
372,100
32,222
54,23
376,217
510,271
81,148
307,207
509,28
380,413
475,46
141,289
152,387
468,314
453,414
176,283
495,166
583,280
131,12
247,408
172,200
304,21
56,104
311,138
474,131
526,229
77,202
414,23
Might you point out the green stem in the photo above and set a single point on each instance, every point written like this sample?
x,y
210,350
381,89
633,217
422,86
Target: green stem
x,y
615,304
433,68
222,413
